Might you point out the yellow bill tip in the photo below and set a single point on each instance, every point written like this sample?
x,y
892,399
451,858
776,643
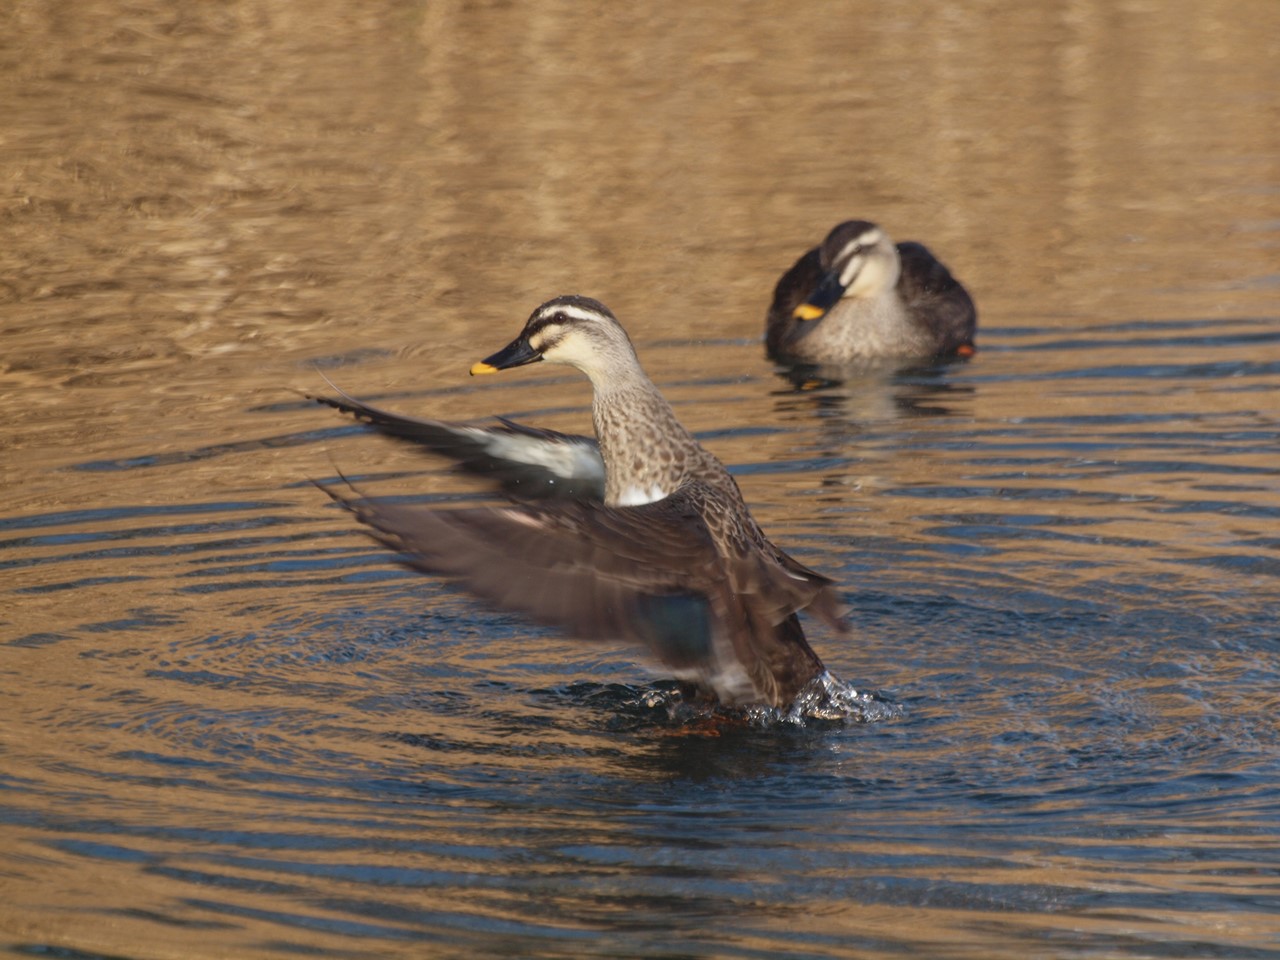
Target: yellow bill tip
x,y
482,367
807,311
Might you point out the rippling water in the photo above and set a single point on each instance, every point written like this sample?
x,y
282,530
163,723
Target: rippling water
x,y
231,726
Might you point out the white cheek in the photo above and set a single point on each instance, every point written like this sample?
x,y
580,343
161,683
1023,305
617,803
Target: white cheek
x,y
875,277
570,350
852,270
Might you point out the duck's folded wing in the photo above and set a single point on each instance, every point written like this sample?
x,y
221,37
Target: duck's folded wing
x,y
527,463
651,574
929,288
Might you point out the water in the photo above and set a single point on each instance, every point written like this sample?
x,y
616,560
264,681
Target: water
x,y
231,727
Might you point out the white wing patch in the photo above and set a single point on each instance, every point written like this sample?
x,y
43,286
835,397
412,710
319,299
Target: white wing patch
x,y
568,460
524,519
635,496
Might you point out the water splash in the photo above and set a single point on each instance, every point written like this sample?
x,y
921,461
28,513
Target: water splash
x,y
825,699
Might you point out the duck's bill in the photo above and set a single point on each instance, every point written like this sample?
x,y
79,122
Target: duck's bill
x,y
515,354
824,296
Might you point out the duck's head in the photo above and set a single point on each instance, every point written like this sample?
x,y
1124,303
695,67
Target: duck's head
x,y
858,260
578,331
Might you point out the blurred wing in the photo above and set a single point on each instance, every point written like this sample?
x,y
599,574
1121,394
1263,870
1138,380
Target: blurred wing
x,y
792,290
651,575
928,288
527,463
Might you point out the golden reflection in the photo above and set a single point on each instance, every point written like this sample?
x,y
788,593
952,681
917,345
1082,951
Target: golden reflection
x,y
202,202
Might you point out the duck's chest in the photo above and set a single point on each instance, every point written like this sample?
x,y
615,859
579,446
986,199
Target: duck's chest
x,y
645,457
864,329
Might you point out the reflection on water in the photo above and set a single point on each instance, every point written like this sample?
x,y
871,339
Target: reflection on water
x,y
233,727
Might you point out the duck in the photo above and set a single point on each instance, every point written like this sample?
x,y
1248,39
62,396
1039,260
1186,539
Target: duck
x,y
860,297
663,554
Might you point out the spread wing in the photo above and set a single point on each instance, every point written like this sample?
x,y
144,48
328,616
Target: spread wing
x,y
719,615
792,290
929,290
527,463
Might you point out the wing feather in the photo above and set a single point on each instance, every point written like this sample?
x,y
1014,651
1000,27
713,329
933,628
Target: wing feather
x,y
527,463
654,575
929,289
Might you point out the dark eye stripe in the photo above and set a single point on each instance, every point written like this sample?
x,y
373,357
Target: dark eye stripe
x,y
569,316
541,323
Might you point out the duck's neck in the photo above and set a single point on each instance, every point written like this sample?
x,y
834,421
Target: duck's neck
x,y
646,452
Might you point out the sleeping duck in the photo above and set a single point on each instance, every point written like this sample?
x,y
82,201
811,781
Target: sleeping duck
x,y
859,297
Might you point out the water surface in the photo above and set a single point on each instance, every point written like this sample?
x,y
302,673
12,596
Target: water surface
x,y
231,726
